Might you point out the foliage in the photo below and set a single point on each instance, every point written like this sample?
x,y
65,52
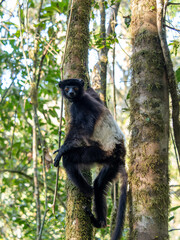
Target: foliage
x,y
17,208
175,46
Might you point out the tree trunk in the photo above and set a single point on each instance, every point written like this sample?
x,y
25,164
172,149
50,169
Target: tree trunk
x,y
103,52
78,225
149,124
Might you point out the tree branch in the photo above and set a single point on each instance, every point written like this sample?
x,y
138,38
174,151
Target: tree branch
x,y
174,229
178,30
42,59
30,178
112,20
61,110
171,3
2,1
170,73
22,46
6,91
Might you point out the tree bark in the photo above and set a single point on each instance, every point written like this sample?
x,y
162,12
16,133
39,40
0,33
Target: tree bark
x,y
149,125
103,52
78,225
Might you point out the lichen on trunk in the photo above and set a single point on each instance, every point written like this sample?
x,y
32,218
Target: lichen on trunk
x,y
148,173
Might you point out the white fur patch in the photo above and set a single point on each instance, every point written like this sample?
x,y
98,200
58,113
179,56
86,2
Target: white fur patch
x,y
107,132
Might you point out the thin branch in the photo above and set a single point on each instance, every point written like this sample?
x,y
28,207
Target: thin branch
x,y
175,150
36,48
170,72
12,141
35,170
178,30
30,178
17,172
22,45
67,34
42,225
174,186
61,111
24,115
2,1
42,59
44,174
52,51
6,91
112,21
3,38
174,229
57,172
124,50
171,3
34,140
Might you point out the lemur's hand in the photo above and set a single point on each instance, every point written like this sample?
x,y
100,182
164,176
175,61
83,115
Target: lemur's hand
x,y
57,158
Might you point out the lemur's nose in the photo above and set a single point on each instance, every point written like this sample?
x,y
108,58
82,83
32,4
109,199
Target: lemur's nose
x,y
71,94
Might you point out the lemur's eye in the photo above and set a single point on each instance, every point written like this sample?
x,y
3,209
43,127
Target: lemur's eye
x,y
76,89
66,89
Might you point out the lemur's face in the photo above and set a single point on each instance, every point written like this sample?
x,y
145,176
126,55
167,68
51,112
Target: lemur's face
x,y
71,92
72,89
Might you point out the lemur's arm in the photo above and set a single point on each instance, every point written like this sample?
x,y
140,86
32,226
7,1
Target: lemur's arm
x,y
62,150
76,138
66,147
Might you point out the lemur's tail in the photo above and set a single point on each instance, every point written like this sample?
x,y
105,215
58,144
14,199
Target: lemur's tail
x,y
122,207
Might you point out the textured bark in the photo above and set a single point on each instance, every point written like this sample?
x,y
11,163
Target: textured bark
x,y
78,226
76,58
36,182
103,52
149,125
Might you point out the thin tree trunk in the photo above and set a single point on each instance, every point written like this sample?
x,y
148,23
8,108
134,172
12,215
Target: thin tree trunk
x,y
149,124
170,72
36,183
34,102
103,52
99,73
78,225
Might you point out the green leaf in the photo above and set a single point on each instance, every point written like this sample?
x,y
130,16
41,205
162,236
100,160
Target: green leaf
x,y
171,218
17,145
175,45
152,8
125,109
31,4
3,189
11,23
128,96
178,75
53,113
174,208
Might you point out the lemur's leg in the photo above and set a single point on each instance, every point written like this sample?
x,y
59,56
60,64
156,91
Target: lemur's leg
x,y
101,183
76,177
73,160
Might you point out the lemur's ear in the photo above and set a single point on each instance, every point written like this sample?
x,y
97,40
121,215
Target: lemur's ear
x,y
82,82
60,84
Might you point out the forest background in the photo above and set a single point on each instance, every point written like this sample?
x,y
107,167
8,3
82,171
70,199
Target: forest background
x,y
34,37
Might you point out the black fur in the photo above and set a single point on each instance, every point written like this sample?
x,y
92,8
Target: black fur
x,y
79,149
